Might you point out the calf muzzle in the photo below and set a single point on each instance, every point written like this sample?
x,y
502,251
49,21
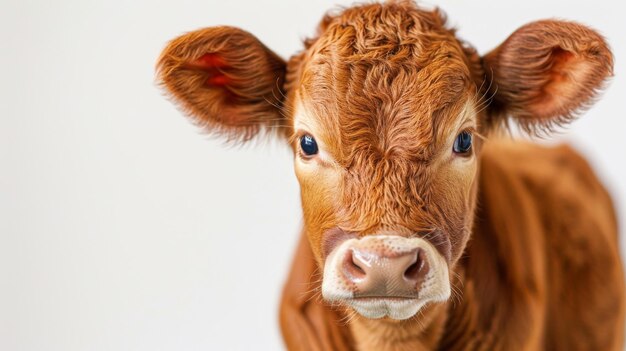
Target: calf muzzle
x,y
385,275
377,272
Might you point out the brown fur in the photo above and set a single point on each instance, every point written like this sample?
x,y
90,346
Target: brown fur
x,y
546,71
528,232
234,106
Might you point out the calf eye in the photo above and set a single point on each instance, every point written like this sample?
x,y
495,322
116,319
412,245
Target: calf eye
x,y
463,143
308,145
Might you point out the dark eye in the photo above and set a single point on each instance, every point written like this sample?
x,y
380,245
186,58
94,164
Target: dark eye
x,y
308,145
463,143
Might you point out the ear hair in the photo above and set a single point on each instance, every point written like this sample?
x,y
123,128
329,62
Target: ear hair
x,y
225,79
547,73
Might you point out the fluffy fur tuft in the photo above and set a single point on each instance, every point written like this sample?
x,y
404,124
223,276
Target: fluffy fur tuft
x,y
547,73
226,80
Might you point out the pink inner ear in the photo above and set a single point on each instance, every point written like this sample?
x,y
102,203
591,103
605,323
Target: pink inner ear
x,y
217,80
566,72
211,60
212,64
560,61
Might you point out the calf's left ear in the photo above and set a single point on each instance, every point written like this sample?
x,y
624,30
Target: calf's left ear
x,y
546,73
226,80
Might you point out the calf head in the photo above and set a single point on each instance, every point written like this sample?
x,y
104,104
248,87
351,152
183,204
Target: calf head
x,y
386,110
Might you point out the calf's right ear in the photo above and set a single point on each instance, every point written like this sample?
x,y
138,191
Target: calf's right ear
x,y
226,80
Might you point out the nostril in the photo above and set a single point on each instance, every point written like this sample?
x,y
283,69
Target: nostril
x,y
353,267
416,269
356,266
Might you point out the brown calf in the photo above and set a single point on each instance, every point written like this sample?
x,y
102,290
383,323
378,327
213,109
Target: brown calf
x,y
428,229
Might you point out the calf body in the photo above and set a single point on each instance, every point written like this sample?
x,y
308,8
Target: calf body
x,y
427,230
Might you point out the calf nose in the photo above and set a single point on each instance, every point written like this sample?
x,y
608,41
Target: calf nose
x,y
378,275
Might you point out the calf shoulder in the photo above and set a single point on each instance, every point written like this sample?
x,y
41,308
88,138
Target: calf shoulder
x,y
542,270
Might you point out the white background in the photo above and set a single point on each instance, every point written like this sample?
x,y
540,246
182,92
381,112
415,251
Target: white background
x,y
124,228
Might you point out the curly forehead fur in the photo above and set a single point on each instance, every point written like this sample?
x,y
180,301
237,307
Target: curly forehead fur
x,y
391,75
